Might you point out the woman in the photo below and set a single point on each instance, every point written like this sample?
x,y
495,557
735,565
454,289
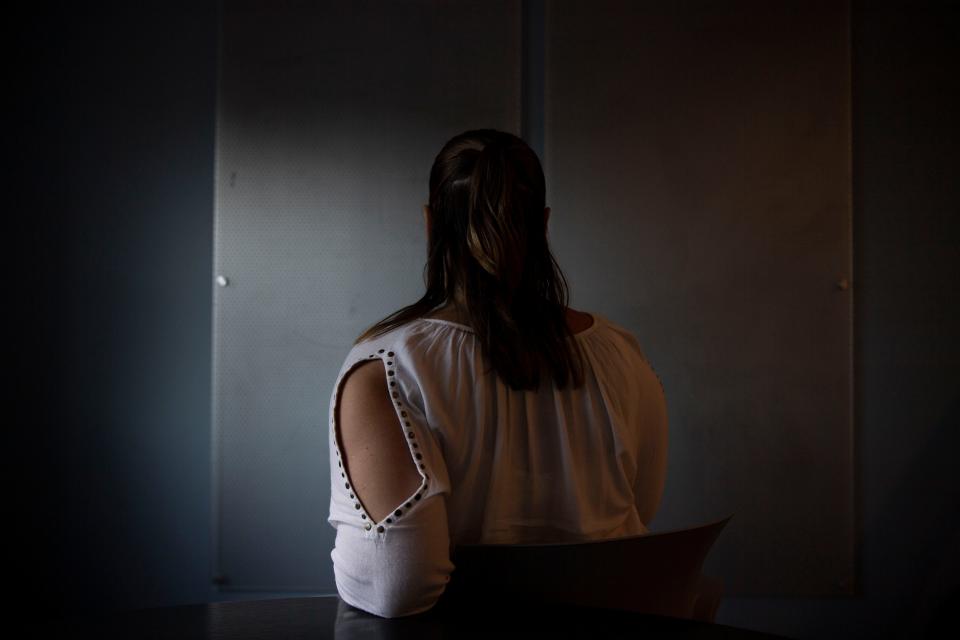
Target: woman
x,y
488,411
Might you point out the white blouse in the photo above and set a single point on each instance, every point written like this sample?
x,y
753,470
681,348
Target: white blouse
x,y
497,465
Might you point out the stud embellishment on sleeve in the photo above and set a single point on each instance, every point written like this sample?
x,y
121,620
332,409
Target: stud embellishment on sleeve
x,y
368,523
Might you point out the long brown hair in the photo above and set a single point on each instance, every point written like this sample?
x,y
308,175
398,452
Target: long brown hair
x,y
487,240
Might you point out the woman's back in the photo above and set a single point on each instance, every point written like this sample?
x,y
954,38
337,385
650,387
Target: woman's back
x,y
552,465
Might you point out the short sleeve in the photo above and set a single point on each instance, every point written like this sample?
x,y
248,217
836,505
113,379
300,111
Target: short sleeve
x,y
400,565
648,410
634,389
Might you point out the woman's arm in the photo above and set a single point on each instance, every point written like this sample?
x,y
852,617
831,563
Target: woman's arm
x,y
396,565
652,455
374,450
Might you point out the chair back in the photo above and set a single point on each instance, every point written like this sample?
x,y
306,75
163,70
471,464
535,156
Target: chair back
x,y
656,573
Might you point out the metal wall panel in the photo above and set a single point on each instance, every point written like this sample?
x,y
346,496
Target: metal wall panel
x,y
698,166
329,117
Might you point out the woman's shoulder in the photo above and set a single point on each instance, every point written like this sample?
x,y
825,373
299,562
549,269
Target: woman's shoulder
x,y
402,338
577,321
620,344
610,336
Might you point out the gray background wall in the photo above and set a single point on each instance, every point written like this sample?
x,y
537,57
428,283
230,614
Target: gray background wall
x,y
698,166
329,115
110,205
698,169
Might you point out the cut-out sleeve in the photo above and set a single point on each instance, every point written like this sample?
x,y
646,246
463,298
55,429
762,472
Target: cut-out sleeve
x,y
400,565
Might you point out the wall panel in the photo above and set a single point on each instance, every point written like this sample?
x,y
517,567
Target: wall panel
x,y
698,168
329,117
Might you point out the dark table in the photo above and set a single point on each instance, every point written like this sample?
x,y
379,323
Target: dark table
x,y
317,618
